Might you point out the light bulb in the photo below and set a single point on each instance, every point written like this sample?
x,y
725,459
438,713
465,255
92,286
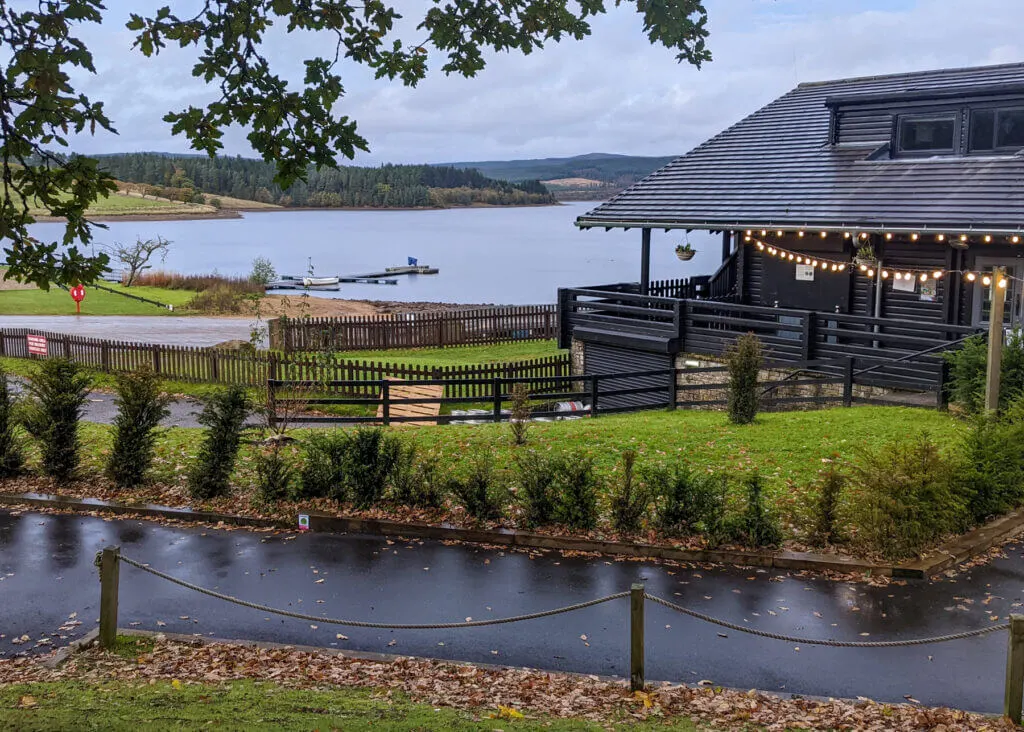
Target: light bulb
x,y
835,267
971,277
924,277
885,274
863,236
746,238
800,234
1002,284
988,239
778,233
814,263
908,276
790,257
863,268
914,237
941,237
749,232
824,234
846,235
842,267
963,237
1015,240
764,233
871,273
888,237
899,276
799,260
937,274
986,280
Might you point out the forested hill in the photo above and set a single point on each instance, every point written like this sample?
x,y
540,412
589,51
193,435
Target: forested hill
x,y
389,186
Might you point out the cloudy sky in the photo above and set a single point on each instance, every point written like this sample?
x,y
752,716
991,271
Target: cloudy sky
x,y
612,92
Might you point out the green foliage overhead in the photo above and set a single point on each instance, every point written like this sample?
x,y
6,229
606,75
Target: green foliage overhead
x,y
293,126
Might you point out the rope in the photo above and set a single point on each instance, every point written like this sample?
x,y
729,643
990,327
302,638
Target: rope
x,y
362,623
835,643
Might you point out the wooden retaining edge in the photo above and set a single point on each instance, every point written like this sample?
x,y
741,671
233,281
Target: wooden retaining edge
x,y
952,553
500,537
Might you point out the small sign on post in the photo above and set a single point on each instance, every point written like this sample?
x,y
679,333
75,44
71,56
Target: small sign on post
x,y
36,345
78,294
303,522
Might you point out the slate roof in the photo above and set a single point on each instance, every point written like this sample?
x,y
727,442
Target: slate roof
x,y
776,168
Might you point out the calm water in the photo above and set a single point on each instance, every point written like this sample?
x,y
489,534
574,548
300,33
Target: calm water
x,y
488,255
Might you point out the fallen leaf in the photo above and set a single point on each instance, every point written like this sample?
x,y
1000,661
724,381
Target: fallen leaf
x,y
27,702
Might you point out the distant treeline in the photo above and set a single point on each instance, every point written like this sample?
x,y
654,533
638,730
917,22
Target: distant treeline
x,y
389,186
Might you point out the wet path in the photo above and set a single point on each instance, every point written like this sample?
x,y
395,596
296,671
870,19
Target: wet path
x,y
46,574
166,329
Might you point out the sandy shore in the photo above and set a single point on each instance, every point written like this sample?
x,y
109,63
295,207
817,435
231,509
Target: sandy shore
x,y
296,306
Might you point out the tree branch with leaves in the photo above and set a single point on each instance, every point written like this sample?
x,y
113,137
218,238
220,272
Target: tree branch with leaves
x,y
295,127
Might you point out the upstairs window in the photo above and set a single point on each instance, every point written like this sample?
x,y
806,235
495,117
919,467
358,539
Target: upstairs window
x,y
933,134
997,129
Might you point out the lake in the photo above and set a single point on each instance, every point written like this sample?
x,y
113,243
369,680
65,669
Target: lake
x,y
486,255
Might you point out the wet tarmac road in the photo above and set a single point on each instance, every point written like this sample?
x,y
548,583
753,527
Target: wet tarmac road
x,y
167,329
46,573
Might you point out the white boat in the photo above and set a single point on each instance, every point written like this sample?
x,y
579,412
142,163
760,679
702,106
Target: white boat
x,y
319,281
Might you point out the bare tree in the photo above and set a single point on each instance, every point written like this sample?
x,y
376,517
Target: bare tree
x,y
135,257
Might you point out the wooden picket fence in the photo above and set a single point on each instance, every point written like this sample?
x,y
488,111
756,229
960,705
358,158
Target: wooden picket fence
x,y
255,368
437,329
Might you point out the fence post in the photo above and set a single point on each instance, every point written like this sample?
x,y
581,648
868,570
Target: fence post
x,y
810,331
385,400
105,355
156,358
636,637
848,383
673,376
593,395
942,396
110,569
67,347
1014,695
496,386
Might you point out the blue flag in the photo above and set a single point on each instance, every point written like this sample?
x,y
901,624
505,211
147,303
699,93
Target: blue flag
x,y
412,261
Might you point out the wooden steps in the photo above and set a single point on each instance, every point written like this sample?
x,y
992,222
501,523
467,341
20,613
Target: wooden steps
x,y
422,411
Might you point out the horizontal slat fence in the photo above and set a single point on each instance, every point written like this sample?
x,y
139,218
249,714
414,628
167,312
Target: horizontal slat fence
x,y
254,368
436,329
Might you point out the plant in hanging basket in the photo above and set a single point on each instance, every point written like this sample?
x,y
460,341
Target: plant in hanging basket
x,y
865,255
685,251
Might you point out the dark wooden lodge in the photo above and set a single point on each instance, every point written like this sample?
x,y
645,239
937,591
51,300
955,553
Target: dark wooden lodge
x,y
924,169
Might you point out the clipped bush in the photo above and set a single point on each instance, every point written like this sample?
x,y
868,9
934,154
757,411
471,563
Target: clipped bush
x,y
535,477
416,482
991,472
369,457
12,457
687,502
967,367
757,526
223,417
902,497
828,487
519,419
141,404
576,487
477,492
274,473
323,468
744,359
630,499
58,390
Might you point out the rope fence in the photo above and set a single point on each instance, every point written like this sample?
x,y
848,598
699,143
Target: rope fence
x,y
109,560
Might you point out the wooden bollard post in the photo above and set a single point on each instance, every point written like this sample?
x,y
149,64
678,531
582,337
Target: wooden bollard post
x,y
1014,696
636,638
110,569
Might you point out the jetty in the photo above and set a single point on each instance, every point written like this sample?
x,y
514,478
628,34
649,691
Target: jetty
x,y
384,277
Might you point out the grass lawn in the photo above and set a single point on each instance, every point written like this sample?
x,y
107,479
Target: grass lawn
x,y
248,705
56,301
460,355
118,205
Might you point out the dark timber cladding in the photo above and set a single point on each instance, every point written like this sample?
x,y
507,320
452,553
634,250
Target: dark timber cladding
x,y
859,218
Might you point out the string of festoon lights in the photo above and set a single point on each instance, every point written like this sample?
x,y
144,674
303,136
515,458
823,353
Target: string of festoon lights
x,y
826,264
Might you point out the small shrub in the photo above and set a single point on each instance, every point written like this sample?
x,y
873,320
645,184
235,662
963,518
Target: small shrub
x,y
415,481
274,474
218,299
902,499
323,468
223,416
216,202
535,478
688,502
744,359
140,406
477,492
369,457
58,392
967,369
630,499
757,526
990,477
12,457
263,272
519,419
829,486
576,488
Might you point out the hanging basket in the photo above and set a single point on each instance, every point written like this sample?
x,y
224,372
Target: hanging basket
x,y
865,262
685,254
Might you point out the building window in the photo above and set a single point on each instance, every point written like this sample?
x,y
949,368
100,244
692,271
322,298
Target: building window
x,y
997,129
927,133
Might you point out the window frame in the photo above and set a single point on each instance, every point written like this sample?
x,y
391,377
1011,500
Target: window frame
x,y
997,109
944,115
